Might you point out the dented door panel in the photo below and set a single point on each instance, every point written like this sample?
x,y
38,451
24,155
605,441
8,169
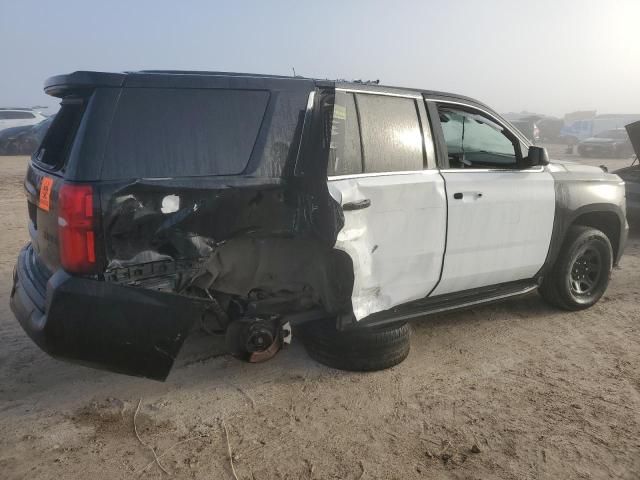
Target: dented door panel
x,y
397,243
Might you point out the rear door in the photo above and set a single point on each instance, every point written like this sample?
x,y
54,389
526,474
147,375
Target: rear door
x,y
500,215
382,171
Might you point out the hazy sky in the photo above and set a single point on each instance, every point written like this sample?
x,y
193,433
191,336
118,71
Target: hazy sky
x,y
540,55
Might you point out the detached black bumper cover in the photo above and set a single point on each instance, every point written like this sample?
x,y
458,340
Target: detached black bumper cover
x,y
122,329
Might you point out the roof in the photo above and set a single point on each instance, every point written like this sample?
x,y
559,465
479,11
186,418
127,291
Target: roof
x,y
59,85
89,79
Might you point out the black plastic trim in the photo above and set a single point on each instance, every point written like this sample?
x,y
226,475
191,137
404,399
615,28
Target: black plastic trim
x,y
447,302
128,330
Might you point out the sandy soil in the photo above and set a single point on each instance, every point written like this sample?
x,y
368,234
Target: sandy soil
x,y
541,393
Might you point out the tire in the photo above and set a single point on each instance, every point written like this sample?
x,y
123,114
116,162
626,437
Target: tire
x,y
581,273
363,350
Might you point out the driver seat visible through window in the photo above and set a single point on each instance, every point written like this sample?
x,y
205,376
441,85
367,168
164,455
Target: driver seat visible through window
x,y
475,141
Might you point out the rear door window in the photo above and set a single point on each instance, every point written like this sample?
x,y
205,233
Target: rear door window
x,y
164,132
345,154
391,133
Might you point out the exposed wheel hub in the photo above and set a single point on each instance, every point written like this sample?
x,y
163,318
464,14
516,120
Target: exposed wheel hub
x,y
254,339
259,338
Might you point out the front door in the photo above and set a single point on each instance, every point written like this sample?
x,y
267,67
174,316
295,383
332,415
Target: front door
x,y
500,215
382,171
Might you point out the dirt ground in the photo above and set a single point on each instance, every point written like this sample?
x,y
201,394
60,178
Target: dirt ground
x,y
540,393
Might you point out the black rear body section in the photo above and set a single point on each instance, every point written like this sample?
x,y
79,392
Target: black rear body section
x,y
194,201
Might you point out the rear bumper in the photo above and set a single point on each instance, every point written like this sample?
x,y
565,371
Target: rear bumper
x,y
123,329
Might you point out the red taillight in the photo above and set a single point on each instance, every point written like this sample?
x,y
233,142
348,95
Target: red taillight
x,y
76,228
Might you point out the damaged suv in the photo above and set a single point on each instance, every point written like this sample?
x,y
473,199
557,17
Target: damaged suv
x,y
255,205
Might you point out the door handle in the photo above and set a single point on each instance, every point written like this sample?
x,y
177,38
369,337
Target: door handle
x,y
460,195
359,205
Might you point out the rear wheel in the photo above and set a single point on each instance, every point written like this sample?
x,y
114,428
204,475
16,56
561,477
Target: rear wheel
x,y
581,273
361,350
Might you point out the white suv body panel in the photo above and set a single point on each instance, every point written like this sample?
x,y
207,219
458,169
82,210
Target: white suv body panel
x,y
500,230
397,243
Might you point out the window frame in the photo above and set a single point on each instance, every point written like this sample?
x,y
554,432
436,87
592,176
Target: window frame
x,y
429,156
358,128
443,157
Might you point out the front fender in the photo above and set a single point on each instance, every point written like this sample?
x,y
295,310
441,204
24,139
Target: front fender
x,y
581,193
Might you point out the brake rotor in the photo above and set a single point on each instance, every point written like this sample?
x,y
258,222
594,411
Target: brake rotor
x,y
267,354
254,340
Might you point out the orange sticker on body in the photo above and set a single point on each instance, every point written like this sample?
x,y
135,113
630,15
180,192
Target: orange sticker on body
x,y
45,193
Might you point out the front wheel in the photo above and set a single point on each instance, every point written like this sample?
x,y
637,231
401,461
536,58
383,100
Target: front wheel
x,y
581,273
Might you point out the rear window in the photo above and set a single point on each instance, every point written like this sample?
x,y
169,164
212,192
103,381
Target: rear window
x,y
55,146
164,132
16,115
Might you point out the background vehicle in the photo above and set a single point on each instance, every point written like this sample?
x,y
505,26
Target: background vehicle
x,y
610,143
575,131
259,204
18,117
631,174
23,140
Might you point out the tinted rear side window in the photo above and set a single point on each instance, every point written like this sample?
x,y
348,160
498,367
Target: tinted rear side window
x,y
163,132
55,146
391,134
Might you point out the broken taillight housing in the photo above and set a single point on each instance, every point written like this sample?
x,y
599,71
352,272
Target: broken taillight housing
x,y
76,228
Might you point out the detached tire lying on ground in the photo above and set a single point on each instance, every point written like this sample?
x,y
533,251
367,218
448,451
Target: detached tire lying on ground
x,y
362,350
581,273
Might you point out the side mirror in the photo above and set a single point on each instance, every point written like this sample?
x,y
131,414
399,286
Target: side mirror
x,y
537,156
